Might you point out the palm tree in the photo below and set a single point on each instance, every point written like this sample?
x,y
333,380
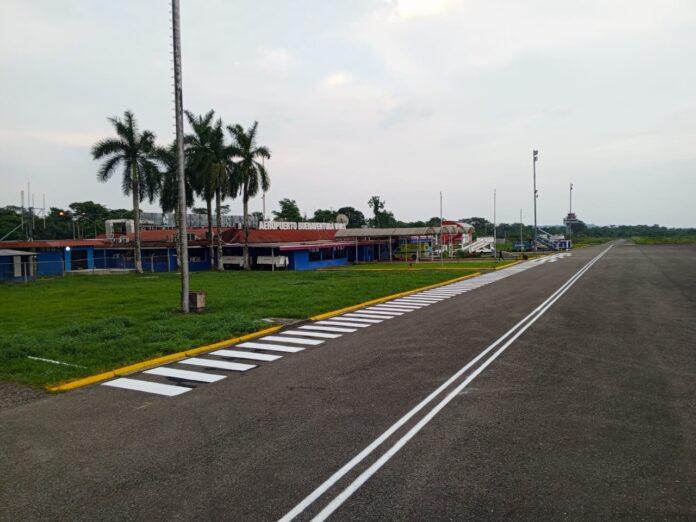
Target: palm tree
x,y
221,170
135,151
168,196
211,166
249,173
377,205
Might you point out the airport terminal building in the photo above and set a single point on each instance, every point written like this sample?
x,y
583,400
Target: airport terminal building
x,y
272,246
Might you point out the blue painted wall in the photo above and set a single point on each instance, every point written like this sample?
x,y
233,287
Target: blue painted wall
x,y
7,269
49,263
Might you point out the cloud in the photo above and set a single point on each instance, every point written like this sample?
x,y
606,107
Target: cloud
x,y
274,60
62,138
336,79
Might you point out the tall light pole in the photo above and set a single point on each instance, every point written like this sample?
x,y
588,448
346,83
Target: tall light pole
x,y
495,226
535,158
442,246
521,239
179,116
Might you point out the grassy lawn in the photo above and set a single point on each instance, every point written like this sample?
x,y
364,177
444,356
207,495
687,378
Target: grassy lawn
x,y
471,264
102,322
589,241
664,240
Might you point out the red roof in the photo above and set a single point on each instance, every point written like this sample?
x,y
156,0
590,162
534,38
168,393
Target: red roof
x,y
276,236
52,243
166,237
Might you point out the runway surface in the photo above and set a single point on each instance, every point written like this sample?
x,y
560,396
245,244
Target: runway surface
x,y
562,390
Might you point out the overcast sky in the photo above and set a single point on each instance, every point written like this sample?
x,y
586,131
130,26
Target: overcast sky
x,y
359,97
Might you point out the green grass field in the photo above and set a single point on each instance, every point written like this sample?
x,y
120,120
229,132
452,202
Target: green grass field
x,y
103,322
470,264
664,240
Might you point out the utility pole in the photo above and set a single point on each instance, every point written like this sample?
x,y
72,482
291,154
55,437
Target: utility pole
x,y
495,222
263,197
521,240
570,213
535,158
442,251
179,116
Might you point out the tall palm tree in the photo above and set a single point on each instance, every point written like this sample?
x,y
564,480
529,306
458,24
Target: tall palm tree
x,y
211,166
169,191
249,173
135,152
199,156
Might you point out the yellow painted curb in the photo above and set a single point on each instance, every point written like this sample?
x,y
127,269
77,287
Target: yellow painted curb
x,y
389,297
125,370
508,265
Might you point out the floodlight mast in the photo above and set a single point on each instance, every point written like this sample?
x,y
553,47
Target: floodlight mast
x,y
179,116
535,158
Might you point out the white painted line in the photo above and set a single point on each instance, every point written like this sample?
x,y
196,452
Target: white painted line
x,y
166,371
373,311
369,315
53,361
271,347
312,334
362,318
329,329
223,365
283,339
394,307
339,323
344,319
407,304
518,329
236,354
148,387
422,299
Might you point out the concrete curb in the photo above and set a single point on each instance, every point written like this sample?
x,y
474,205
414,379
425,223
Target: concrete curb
x,y
125,370
389,297
131,368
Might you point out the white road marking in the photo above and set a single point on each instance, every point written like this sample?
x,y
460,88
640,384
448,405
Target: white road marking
x,y
271,347
329,329
393,307
519,328
422,299
223,365
148,387
409,302
166,371
361,318
373,311
339,323
52,361
283,339
236,354
312,334
369,315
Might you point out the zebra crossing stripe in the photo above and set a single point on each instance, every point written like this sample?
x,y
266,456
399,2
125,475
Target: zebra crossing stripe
x,y
292,340
187,375
312,334
328,329
168,390
355,317
271,347
236,354
333,322
369,315
222,365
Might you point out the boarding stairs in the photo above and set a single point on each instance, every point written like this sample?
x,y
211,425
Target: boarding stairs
x,y
545,240
480,245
